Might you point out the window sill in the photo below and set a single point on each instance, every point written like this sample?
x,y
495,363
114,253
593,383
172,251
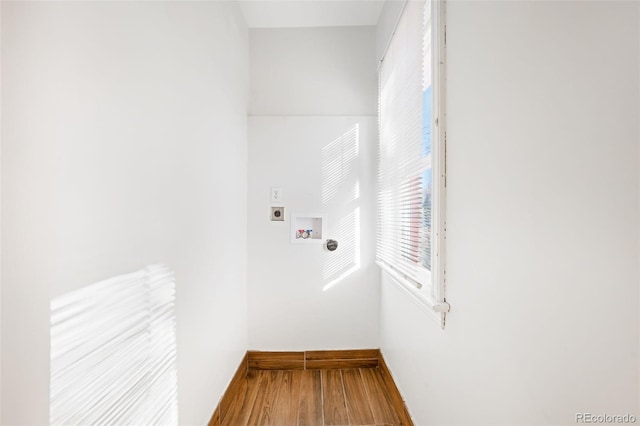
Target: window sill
x,y
434,310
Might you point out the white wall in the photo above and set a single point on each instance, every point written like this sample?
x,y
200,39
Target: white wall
x,y
310,13
311,88
542,243
300,295
313,71
124,144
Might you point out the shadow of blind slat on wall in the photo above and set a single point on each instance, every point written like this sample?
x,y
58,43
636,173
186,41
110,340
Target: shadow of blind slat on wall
x,y
113,352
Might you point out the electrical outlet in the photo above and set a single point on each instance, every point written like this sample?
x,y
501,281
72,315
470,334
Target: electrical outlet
x,y
277,214
276,194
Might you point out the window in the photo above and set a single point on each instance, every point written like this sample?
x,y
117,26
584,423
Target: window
x,y
411,154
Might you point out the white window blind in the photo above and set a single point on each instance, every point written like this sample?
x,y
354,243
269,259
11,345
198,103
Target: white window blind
x,y
113,352
410,155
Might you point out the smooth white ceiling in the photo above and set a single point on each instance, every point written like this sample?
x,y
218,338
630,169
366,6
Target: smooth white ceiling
x,y
310,13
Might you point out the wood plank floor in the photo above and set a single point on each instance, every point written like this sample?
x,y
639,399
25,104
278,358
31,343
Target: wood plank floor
x,y
355,396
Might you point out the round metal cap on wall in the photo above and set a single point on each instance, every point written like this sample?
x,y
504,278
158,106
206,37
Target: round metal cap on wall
x,y
331,245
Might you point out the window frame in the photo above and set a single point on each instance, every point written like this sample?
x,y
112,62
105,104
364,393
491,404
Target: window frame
x,y
430,295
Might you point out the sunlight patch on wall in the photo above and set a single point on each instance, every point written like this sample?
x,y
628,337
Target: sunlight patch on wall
x,y
341,193
338,165
346,260
113,352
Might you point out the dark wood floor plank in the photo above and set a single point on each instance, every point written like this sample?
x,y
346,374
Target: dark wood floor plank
x,y
264,381
335,409
294,398
379,399
310,399
237,402
285,410
356,398
241,406
263,412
